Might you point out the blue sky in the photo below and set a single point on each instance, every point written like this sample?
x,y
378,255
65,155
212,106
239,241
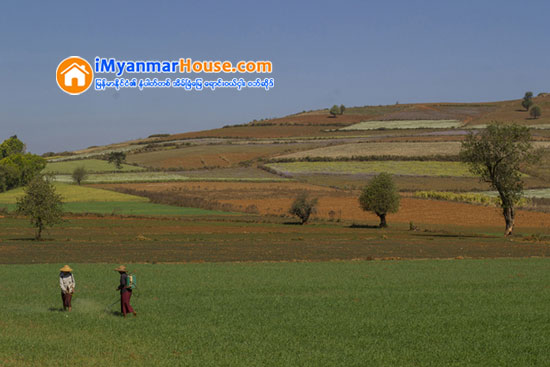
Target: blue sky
x,y
349,52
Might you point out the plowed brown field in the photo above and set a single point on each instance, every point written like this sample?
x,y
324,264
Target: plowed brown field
x,y
276,198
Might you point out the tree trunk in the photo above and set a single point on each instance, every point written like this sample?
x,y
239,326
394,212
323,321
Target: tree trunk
x,y
39,233
509,214
39,227
383,223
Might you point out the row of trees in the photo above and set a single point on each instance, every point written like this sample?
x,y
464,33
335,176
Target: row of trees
x,y
337,110
379,196
495,155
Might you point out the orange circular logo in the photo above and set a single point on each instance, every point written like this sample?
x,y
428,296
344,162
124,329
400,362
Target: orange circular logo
x,y
74,75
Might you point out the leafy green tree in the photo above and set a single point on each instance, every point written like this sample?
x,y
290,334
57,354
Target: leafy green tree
x,y
535,112
117,158
41,203
380,196
342,109
495,154
527,103
10,177
11,146
79,174
527,100
28,165
335,110
303,207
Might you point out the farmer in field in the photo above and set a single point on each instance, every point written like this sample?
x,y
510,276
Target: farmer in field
x,y
67,284
125,292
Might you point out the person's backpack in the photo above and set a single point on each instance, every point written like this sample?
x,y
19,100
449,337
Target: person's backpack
x,y
131,281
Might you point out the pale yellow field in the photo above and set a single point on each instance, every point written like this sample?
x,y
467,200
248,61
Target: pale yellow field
x,y
76,194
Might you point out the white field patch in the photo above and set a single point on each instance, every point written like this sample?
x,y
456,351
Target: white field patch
x,y
404,124
397,149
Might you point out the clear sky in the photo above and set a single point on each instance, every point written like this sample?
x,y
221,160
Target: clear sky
x,y
323,52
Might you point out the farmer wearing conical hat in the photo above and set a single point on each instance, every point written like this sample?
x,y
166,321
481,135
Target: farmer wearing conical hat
x,y
125,292
67,284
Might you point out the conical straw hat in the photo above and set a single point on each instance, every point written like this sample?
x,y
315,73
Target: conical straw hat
x,y
121,268
66,269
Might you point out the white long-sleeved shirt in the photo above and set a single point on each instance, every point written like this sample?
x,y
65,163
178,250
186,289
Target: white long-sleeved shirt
x,y
66,282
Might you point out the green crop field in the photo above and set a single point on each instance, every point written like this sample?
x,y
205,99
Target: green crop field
x,y
128,208
81,199
136,208
75,193
377,313
91,165
404,124
412,168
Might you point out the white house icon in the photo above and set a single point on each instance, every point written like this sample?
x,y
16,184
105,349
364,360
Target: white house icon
x,y
77,72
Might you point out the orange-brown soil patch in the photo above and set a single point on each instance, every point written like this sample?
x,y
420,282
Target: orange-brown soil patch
x,y
276,198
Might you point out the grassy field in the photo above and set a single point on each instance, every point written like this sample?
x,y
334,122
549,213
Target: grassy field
x,y
404,124
82,199
421,313
91,165
136,208
128,208
411,168
75,193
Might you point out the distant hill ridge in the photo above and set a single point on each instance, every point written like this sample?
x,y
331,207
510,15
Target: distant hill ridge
x,y
319,123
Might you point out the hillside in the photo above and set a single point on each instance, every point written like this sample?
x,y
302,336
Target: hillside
x,y
417,143
319,123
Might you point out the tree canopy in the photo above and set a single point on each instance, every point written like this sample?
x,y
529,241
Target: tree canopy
x,y
117,158
79,174
527,101
11,146
17,168
496,154
41,203
380,196
334,110
535,112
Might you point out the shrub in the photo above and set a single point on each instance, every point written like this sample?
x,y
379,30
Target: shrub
x,y
303,207
79,174
535,112
335,110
